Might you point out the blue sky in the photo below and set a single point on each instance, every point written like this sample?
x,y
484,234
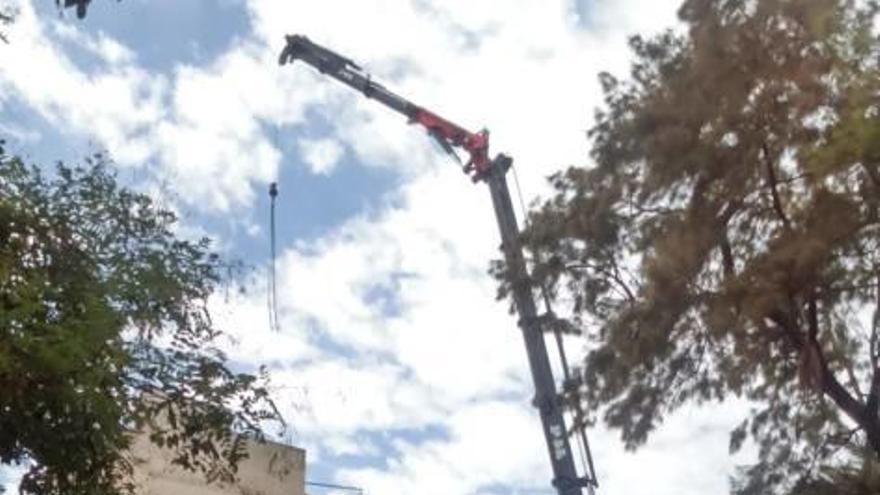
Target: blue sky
x,y
394,364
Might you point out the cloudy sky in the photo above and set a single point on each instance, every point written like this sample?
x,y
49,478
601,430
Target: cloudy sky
x,y
395,366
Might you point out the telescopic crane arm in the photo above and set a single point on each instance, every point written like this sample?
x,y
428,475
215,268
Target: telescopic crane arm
x,y
453,137
450,136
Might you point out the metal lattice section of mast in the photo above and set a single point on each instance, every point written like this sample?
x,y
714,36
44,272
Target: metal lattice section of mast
x,y
547,400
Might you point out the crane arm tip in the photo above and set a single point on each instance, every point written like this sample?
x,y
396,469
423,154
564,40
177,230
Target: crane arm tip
x,y
292,46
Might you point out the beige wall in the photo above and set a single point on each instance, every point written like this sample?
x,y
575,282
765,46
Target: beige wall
x,y
270,469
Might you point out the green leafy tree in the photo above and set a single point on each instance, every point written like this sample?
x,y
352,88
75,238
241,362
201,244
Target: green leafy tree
x,y
104,331
725,243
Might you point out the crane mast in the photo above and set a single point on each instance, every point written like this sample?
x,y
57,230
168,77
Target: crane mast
x,y
493,172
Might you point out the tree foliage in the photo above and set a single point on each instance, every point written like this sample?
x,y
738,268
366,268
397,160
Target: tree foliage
x,y
725,243
860,478
104,331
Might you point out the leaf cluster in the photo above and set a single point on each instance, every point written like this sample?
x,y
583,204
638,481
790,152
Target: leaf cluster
x,y
104,331
725,243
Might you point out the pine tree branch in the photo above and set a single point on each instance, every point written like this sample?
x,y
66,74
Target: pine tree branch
x,y
813,319
874,392
875,324
614,275
860,414
727,260
865,416
727,256
619,279
875,333
830,385
772,183
787,327
854,382
872,174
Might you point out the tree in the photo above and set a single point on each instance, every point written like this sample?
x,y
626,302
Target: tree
x,y
725,243
104,331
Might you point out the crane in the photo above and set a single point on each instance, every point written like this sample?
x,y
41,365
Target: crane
x,y
452,138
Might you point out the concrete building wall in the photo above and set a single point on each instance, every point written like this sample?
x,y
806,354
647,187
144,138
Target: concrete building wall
x,y
270,469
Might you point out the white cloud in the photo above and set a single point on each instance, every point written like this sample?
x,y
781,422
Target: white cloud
x,y
488,443
21,134
321,155
203,127
107,49
526,71
250,337
429,256
115,105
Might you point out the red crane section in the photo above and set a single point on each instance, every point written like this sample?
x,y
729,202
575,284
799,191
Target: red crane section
x,y
449,135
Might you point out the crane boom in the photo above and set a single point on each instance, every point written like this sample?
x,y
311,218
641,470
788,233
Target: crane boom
x,y
448,134
493,172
